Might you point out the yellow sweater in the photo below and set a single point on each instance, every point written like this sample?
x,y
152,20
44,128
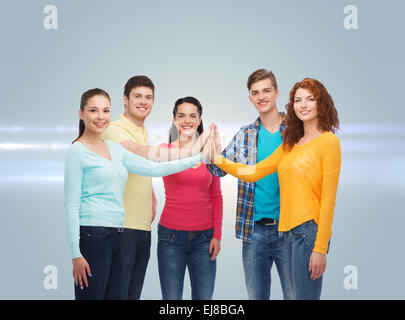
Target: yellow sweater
x,y
308,177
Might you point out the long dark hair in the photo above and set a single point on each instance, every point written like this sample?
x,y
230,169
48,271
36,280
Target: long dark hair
x,y
173,133
83,101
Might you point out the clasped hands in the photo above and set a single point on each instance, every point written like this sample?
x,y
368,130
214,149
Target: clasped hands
x,y
210,143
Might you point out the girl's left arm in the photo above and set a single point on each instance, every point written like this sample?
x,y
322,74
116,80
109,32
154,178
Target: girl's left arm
x,y
331,163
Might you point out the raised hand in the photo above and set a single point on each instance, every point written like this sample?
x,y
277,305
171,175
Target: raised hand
x,y
207,151
201,141
215,141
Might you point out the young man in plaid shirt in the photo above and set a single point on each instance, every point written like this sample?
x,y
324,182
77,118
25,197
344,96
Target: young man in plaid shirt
x,y
258,204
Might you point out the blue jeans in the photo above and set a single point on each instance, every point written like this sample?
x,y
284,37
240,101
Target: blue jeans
x,y
301,242
267,246
136,250
102,249
178,249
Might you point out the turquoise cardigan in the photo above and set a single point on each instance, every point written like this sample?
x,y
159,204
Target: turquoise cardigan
x,y
94,186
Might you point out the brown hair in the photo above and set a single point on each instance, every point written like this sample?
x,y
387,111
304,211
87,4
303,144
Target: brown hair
x,y
138,81
261,74
327,113
83,101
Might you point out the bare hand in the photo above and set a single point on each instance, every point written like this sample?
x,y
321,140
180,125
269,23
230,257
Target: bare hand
x,y
80,271
203,138
215,247
207,151
199,143
215,140
317,264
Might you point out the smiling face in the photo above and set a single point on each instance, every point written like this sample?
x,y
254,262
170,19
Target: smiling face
x,y
96,114
305,105
263,95
138,104
187,119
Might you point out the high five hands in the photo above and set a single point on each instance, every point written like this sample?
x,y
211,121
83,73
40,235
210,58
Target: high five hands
x,y
210,149
212,146
209,143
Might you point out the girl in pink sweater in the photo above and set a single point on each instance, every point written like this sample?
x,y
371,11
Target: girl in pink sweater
x,y
189,230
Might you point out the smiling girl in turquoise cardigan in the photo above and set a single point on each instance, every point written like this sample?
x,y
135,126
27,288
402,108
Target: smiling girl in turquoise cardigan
x,y
95,176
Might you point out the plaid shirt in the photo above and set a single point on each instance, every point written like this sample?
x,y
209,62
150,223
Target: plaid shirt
x,y
243,149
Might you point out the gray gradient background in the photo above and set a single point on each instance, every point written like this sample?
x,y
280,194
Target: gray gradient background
x,y
206,49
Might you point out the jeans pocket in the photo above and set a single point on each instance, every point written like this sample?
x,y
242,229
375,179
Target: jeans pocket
x,y
166,234
312,230
298,231
307,229
207,234
95,232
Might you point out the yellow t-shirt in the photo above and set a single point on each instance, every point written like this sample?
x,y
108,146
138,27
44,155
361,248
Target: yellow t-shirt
x,y
308,176
138,191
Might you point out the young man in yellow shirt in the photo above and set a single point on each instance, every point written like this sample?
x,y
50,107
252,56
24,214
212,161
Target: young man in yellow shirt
x,y
139,198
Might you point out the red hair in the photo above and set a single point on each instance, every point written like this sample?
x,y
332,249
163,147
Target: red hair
x,y
327,113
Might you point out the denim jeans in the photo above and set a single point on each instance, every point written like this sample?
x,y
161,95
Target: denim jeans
x,y
136,251
267,246
178,249
301,242
102,249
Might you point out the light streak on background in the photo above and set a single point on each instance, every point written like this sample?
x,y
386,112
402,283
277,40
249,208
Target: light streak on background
x,y
10,146
20,129
378,141
357,146
159,133
352,129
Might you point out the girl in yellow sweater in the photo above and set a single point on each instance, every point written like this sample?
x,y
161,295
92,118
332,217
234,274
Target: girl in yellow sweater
x,y
308,165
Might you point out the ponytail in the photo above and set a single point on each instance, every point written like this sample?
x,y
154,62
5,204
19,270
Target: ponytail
x,y
81,130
